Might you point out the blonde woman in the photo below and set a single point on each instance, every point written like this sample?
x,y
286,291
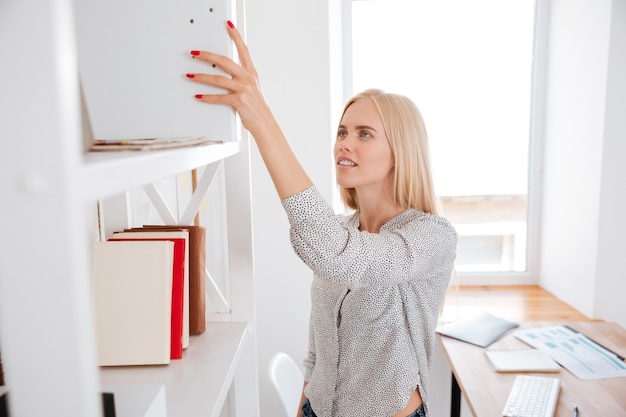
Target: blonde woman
x,y
380,274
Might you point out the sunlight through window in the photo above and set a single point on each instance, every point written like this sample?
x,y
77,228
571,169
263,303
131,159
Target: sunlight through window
x,y
468,66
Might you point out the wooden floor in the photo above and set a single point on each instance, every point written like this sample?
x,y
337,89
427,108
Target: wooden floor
x,y
516,303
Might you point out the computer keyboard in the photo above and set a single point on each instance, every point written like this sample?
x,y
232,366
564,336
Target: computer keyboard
x,y
532,396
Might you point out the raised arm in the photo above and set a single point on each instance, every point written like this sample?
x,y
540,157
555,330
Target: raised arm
x,y
245,96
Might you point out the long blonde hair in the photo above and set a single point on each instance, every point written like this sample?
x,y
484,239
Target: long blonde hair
x,y
406,132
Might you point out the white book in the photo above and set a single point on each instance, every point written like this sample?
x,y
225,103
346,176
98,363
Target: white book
x,y
132,293
133,57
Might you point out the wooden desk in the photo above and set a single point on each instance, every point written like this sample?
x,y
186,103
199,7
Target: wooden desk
x,y
516,303
486,391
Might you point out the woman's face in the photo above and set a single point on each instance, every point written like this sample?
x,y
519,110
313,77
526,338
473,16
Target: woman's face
x,y
363,157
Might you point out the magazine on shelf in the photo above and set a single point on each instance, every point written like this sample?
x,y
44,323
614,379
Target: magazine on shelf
x,y
149,144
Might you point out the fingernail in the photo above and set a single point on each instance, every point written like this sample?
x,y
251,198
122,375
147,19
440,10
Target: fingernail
x,y
199,96
191,75
195,52
230,24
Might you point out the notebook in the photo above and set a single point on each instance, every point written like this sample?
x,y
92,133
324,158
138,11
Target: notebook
x,y
521,360
480,329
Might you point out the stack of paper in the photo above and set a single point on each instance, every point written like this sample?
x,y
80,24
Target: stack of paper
x,y
149,144
580,355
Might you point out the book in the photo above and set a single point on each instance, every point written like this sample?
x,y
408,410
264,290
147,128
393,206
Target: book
x,y
149,144
521,360
1,372
180,282
4,407
138,399
108,404
481,329
124,106
132,294
197,272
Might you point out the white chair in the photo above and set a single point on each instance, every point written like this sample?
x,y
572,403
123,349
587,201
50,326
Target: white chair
x,y
288,380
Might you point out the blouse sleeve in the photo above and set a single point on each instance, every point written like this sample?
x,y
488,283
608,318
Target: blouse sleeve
x,y
420,248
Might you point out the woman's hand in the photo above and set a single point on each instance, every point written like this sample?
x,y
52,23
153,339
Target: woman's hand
x,y
244,93
245,96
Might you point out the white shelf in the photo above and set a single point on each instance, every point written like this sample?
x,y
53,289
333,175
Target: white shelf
x,y
138,400
47,180
107,173
197,384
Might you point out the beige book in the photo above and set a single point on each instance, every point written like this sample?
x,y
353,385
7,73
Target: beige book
x,y
132,290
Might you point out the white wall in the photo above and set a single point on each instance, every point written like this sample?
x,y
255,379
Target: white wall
x,y
583,194
577,64
610,279
289,41
295,50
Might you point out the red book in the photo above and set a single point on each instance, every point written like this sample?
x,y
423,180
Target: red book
x,y
178,279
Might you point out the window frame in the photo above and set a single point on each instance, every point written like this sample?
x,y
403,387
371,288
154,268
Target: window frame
x,y
535,152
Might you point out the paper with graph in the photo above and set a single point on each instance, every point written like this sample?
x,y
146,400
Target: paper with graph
x,y
574,351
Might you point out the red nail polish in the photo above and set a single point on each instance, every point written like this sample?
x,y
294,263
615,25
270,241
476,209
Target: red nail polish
x,y
199,96
191,75
195,52
230,24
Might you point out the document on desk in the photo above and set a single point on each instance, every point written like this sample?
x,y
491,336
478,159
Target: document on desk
x,y
574,351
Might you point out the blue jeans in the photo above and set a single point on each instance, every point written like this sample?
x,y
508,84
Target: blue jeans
x,y
308,412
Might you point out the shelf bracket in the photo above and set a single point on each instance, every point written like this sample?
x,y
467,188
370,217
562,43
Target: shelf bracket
x,y
198,194
214,293
163,210
155,196
159,203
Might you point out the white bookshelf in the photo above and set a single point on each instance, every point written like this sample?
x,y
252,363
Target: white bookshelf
x,y
47,185
107,173
198,384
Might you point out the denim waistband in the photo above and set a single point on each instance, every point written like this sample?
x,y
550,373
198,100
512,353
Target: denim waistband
x,y
308,412
419,412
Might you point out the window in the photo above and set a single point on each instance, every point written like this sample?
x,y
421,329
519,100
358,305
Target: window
x,y
468,65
